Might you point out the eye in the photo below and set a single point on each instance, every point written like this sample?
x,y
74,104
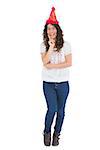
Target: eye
x,y
48,29
54,29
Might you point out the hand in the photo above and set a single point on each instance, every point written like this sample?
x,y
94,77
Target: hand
x,y
51,43
49,65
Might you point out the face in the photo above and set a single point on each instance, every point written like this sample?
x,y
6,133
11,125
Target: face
x,y
51,31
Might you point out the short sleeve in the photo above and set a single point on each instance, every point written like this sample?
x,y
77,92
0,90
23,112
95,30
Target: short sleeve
x,y
42,48
67,48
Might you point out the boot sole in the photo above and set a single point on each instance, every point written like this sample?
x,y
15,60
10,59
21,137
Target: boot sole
x,y
55,144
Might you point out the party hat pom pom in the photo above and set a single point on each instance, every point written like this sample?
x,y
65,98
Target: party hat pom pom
x,y
53,8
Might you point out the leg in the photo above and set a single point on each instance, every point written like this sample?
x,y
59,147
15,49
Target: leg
x,y
51,100
62,94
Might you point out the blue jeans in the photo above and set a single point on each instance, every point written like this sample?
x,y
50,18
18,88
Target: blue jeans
x,y
56,95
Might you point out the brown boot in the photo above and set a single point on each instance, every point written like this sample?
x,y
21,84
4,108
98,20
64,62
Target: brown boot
x,y
56,138
47,139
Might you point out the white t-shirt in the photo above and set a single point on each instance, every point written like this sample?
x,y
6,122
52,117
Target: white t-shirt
x,y
56,74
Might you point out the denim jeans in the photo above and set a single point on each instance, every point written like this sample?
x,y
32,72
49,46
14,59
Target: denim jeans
x,y
56,95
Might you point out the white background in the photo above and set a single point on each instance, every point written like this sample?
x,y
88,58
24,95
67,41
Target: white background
x,y
22,103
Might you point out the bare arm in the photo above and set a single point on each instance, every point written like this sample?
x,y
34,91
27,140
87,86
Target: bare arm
x,y
66,63
46,55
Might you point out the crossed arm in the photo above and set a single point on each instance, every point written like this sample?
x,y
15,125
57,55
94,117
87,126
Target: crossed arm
x,y
66,63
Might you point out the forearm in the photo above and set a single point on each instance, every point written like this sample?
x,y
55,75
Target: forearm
x,y
61,65
46,58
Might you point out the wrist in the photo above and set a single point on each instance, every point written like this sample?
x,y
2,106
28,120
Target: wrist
x,y
51,49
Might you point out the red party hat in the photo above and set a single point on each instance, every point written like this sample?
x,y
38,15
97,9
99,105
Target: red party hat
x,y
52,19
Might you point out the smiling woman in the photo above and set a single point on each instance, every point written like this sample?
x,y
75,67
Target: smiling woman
x,y
57,58
53,32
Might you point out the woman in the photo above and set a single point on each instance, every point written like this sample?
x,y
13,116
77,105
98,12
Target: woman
x,y
57,58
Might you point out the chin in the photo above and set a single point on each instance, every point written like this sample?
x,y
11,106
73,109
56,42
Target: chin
x,y
53,37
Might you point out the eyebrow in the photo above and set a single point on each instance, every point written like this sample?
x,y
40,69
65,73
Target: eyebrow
x,y
50,27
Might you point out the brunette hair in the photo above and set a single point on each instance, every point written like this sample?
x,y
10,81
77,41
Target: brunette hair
x,y
59,38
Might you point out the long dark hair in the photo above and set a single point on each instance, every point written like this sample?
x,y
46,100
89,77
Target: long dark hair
x,y
59,38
